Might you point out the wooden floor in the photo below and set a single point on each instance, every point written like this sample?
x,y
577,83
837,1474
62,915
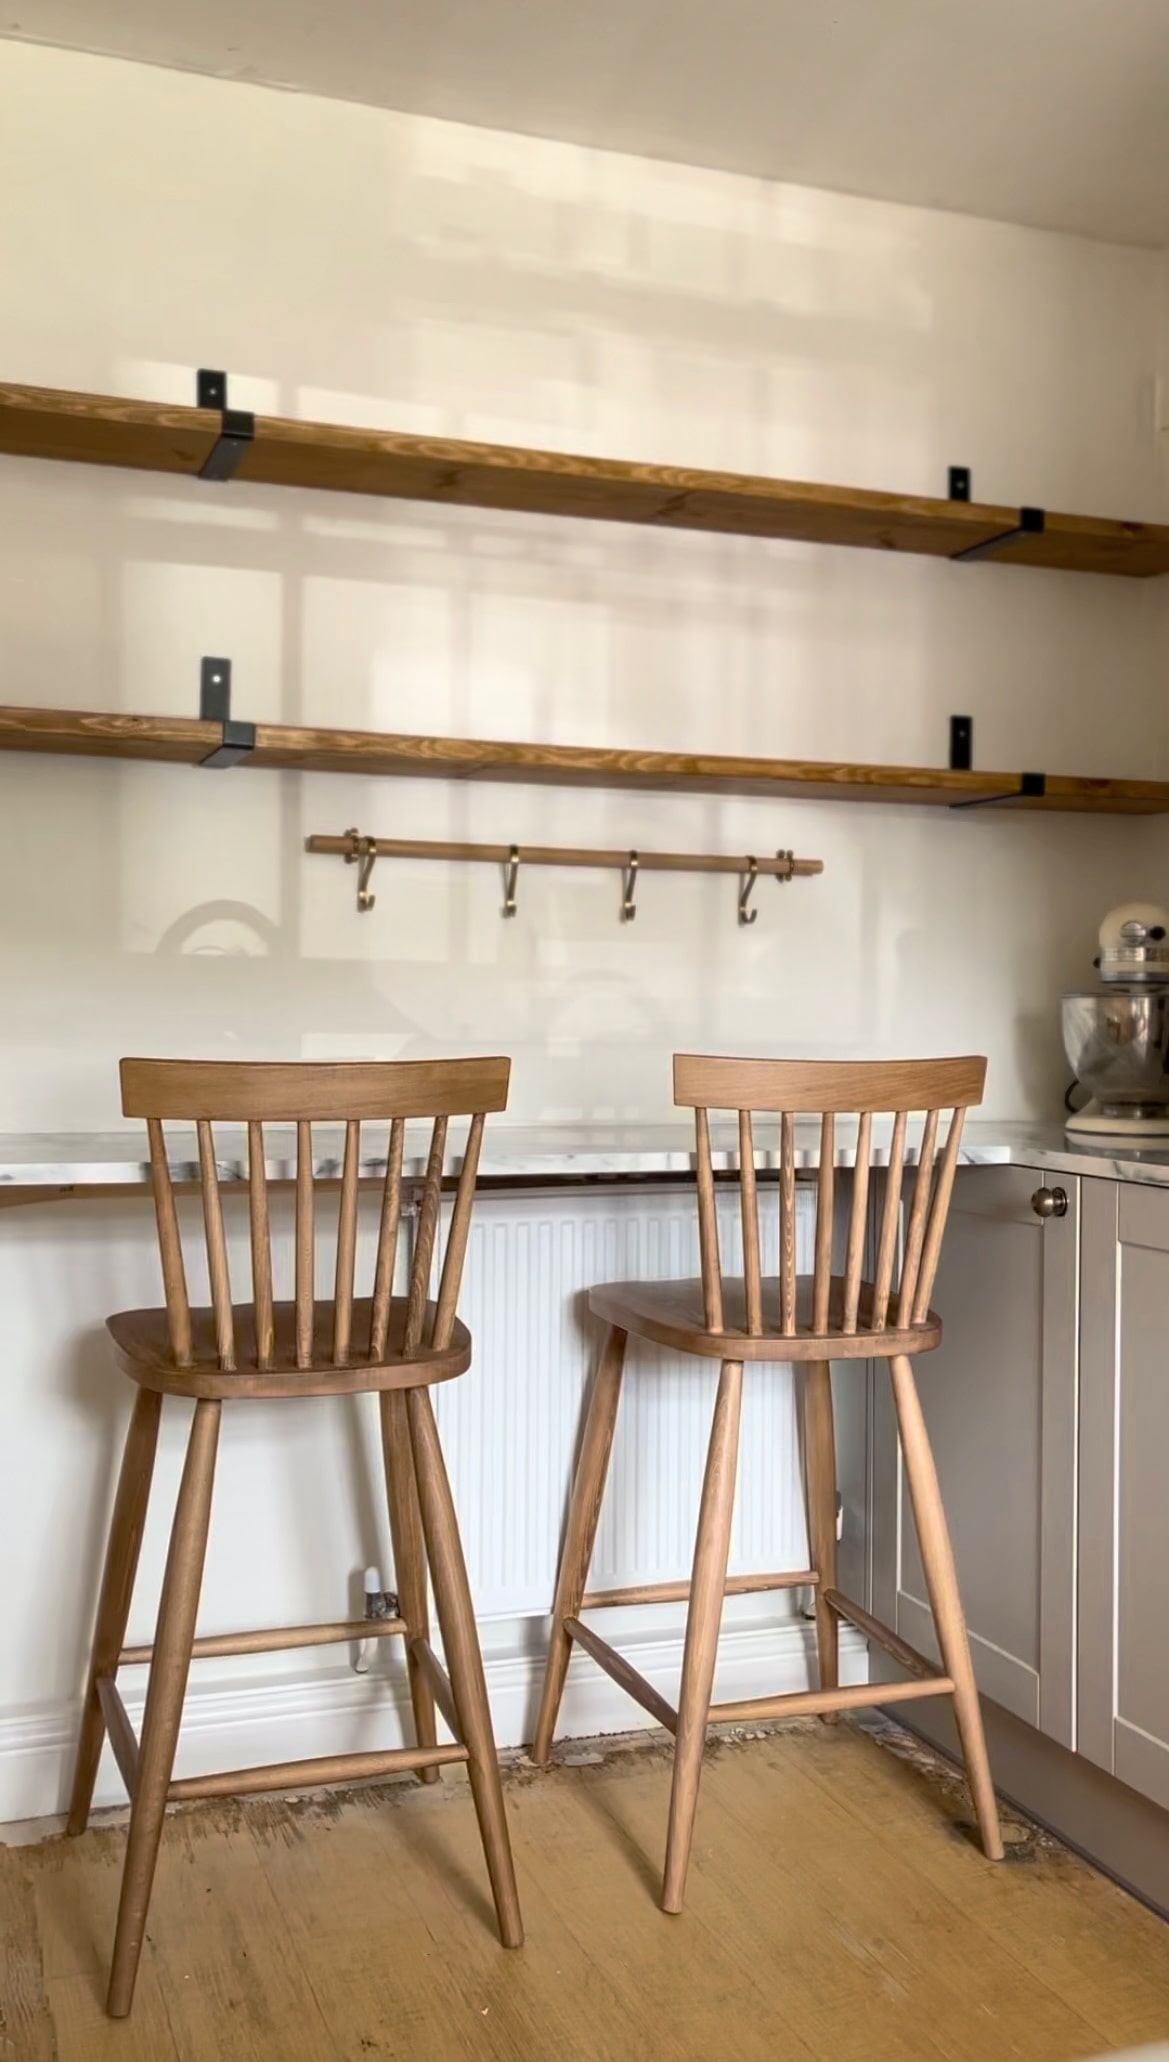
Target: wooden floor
x,y
837,1909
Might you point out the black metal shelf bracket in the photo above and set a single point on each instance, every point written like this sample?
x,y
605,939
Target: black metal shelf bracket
x,y
1032,521
1032,787
238,739
961,744
237,430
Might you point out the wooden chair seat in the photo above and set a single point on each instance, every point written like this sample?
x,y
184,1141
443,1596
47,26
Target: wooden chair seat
x,y
672,1314
143,1351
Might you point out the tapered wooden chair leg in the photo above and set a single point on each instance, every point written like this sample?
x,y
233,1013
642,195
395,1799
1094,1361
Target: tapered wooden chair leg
x,y
941,1577
117,1589
707,1588
820,1484
409,1560
460,1641
164,1699
584,1510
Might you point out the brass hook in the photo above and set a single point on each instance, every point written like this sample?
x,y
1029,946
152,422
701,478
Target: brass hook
x,y
511,873
364,854
748,916
629,889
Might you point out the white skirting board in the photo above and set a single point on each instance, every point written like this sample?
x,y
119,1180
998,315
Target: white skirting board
x,y
285,1719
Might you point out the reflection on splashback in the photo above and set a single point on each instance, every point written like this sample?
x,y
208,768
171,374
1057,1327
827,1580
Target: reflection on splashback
x,y
230,930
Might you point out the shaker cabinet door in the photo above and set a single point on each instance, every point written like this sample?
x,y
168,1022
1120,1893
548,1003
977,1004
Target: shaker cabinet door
x,y
999,1397
1124,1485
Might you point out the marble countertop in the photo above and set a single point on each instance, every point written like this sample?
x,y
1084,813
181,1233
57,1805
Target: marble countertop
x,y
553,1152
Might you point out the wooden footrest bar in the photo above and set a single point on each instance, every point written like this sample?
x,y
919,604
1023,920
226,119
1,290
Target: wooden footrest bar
x,y
811,1703
321,1768
123,1738
439,1681
278,1637
678,1592
898,1650
628,1678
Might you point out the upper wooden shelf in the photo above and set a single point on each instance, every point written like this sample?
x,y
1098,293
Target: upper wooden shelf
x,y
95,429
188,740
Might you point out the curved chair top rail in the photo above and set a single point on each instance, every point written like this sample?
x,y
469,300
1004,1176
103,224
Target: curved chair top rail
x,y
316,1091
304,1093
822,1086
827,1088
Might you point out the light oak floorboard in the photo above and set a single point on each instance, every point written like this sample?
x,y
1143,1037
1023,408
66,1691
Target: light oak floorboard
x,y
837,1905
26,2028
894,1952
361,1916
1098,1949
73,1894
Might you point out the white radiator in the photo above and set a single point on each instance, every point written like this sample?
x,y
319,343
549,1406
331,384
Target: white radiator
x,y
510,1425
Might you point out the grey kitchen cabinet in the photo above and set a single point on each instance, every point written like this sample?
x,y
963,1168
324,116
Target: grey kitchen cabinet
x,y
1123,1664
1000,1401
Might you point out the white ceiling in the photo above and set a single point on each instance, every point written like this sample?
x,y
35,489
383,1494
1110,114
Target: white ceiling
x,y
1052,112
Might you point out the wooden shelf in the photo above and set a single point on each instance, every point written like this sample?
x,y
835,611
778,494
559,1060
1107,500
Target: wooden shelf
x,y
94,429
186,740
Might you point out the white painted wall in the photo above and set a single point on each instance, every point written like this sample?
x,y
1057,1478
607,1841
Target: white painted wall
x,y
368,268
361,267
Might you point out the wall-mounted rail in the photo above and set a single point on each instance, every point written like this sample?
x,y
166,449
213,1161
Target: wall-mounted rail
x,y
363,852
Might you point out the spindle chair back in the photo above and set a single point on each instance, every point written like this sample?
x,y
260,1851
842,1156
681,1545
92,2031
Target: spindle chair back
x,y
821,1092
343,1332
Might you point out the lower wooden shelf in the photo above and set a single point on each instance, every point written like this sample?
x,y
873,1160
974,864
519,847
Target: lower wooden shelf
x,y
188,740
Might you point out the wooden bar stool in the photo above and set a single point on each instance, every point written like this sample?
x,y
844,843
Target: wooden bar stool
x,y
777,1318
395,1345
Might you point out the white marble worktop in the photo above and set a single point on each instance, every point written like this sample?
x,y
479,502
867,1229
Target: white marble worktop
x,y
554,1152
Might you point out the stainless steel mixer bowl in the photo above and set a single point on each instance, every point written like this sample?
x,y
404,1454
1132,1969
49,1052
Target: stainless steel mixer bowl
x,y
1118,1047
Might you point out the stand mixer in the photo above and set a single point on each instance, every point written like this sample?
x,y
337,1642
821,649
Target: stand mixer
x,y
1116,1035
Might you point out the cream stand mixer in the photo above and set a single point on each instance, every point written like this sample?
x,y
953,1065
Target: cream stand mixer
x,y
1116,1035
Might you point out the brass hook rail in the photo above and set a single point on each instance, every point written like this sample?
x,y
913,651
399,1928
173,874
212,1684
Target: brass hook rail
x,y
362,851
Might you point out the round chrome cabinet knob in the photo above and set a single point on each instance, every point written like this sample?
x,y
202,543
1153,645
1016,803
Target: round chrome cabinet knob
x,y
1050,1202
